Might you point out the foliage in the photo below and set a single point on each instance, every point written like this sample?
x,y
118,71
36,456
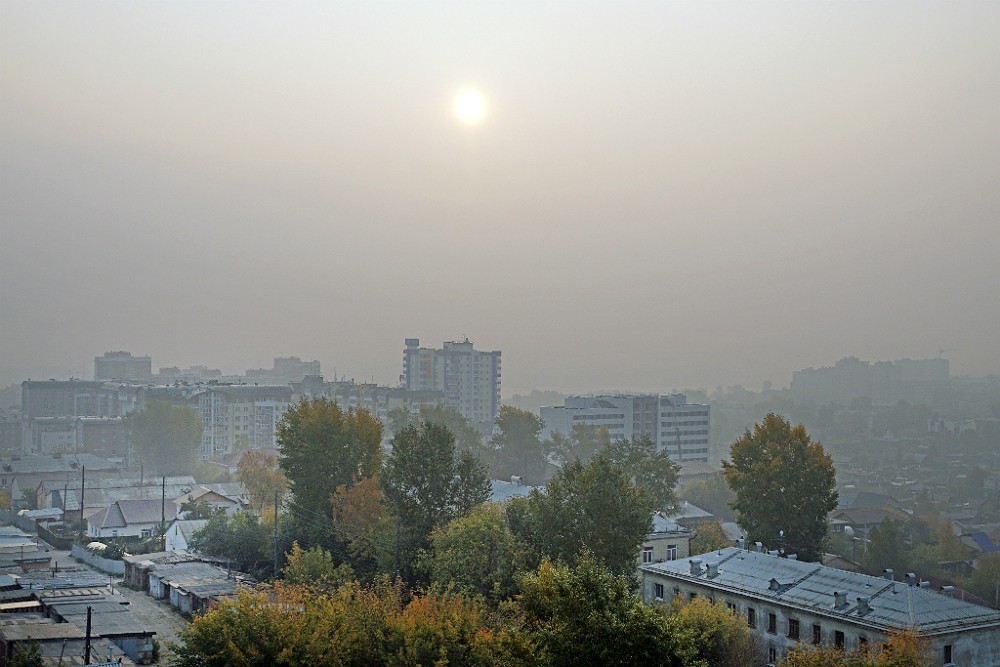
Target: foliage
x,y
199,509
587,616
323,447
26,654
591,507
783,482
260,475
650,470
886,548
715,635
165,436
477,554
314,568
242,538
30,498
583,441
467,437
985,580
358,511
426,484
711,495
210,473
902,649
4,500
515,446
351,626
709,536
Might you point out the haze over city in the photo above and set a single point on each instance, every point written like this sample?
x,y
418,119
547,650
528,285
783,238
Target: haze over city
x,y
644,197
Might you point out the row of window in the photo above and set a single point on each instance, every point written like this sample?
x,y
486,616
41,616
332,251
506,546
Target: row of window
x,y
647,557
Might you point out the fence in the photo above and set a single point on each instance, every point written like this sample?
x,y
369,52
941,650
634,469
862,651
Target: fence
x,y
116,567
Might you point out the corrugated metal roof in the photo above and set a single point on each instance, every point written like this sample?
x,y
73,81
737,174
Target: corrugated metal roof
x,y
810,586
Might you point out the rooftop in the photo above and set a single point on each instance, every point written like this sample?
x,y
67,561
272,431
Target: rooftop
x,y
811,587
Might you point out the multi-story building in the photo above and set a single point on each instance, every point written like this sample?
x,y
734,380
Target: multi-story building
x,y
884,382
683,429
788,602
470,379
122,366
49,409
239,416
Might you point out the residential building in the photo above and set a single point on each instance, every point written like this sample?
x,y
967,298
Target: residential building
x,y
470,379
789,602
683,429
178,537
239,416
131,518
884,382
667,541
123,366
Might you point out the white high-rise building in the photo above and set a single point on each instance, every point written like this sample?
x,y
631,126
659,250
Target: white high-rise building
x,y
683,429
470,379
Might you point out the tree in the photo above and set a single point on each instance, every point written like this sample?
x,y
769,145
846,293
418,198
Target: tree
x,y
784,485
260,475
588,616
904,648
358,511
477,554
26,654
712,495
427,484
314,568
165,436
886,549
718,636
323,447
515,446
587,507
709,537
199,509
583,441
650,470
242,538
985,579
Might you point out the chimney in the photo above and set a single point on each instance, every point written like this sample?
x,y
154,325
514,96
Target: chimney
x,y
839,599
864,605
792,556
910,579
947,590
758,547
713,569
773,552
515,480
925,584
887,574
774,584
741,544
695,566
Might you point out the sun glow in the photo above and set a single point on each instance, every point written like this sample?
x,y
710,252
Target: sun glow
x,y
470,107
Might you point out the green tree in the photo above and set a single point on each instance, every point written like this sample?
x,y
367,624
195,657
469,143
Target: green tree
x,y
477,554
323,447
515,446
985,579
709,536
199,509
588,616
262,477
650,470
165,436
718,637
26,654
427,483
242,538
583,441
314,568
712,495
587,507
784,485
886,549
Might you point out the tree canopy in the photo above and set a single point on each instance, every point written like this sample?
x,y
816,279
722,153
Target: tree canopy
x,y
323,447
515,446
651,470
260,475
784,485
592,507
165,436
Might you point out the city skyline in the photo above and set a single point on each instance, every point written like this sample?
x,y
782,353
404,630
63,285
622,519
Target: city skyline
x,y
644,197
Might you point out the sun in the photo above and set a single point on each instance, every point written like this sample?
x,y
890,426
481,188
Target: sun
x,y
470,107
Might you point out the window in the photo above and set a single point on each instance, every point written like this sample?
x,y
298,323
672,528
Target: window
x,y
658,591
817,634
772,655
731,607
793,628
772,623
838,639
863,644
751,617
692,595
677,591
947,654
647,554
671,552
147,532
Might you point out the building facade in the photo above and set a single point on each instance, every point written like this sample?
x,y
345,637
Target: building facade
x,y
123,366
789,602
683,429
239,417
469,378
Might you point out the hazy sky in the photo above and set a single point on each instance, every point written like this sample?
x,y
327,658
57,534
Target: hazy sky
x,y
660,194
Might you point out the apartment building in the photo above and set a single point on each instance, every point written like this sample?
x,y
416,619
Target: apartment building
x,y
239,416
469,378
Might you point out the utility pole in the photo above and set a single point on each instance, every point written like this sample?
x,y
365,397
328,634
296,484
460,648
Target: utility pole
x,y
86,645
163,512
83,486
397,545
275,533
